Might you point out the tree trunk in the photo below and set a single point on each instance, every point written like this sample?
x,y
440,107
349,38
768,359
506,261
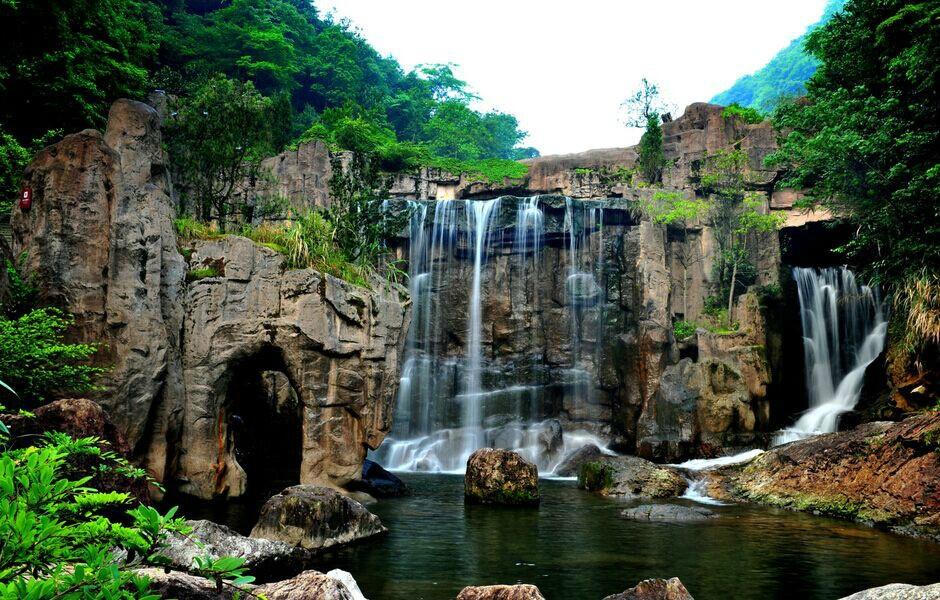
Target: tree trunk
x,y
734,276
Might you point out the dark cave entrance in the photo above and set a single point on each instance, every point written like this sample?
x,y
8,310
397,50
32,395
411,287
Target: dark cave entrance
x,y
264,417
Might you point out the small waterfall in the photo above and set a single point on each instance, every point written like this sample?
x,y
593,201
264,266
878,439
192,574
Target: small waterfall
x,y
843,332
447,405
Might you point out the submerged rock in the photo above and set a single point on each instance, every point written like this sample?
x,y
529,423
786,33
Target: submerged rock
x,y
882,473
898,591
378,482
315,518
501,592
501,477
630,477
571,464
655,589
266,559
309,585
667,512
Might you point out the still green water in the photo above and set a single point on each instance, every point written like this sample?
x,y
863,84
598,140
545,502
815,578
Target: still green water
x,y
576,546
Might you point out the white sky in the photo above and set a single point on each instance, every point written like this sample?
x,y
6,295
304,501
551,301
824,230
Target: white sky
x,y
563,68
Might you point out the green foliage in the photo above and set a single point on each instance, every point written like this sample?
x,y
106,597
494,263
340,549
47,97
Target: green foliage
x,y
643,105
746,114
865,140
189,228
492,170
683,329
36,361
783,77
671,208
14,158
595,476
21,293
202,273
217,139
651,159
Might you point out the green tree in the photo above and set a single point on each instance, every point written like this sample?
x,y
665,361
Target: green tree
x,y
650,151
865,141
643,104
736,214
217,140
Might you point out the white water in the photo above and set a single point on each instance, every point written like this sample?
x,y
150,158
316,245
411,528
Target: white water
x,y
843,332
444,410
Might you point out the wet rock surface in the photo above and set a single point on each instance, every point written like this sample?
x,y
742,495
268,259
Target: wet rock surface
x,y
882,473
668,513
266,559
309,585
630,477
501,592
377,482
655,589
315,518
571,464
500,477
898,591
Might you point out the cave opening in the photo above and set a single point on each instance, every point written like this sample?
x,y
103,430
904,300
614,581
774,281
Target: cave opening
x,y
264,417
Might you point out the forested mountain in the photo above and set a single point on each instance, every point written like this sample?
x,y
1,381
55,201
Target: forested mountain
x,y
63,63
784,76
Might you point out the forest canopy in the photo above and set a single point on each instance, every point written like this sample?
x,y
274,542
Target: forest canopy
x,y
63,63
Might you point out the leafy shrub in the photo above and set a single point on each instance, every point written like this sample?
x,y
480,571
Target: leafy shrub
x,y
36,361
14,157
683,329
201,273
746,114
21,294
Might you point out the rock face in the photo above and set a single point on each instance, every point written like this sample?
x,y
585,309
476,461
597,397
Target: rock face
x,y
882,473
78,417
183,586
667,512
501,477
898,591
315,518
309,585
266,559
655,589
571,465
378,482
630,477
501,592
100,241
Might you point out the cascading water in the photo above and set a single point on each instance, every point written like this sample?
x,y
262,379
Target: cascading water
x,y
843,332
444,412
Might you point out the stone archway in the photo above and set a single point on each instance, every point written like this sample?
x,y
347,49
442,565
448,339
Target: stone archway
x,y
263,424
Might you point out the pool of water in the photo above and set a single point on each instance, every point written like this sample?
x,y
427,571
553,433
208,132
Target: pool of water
x,y
576,546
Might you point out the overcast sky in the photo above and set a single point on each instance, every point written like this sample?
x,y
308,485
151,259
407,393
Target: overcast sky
x,y
564,67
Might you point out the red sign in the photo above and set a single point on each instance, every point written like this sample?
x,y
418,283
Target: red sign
x,y
26,198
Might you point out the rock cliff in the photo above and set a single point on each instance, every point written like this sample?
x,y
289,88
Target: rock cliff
x,y
100,241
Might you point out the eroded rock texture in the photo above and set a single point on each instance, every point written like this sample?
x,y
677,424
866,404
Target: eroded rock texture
x,y
630,477
501,592
655,589
501,477
100,242
882,473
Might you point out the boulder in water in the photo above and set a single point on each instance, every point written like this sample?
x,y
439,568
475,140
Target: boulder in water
x,y
309,585
571,464
378,482
630,477
315,518
674,513
501,592
655,589
898,591
266,559
501,477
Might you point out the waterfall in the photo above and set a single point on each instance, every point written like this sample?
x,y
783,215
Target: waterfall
x,y
447,405
843,332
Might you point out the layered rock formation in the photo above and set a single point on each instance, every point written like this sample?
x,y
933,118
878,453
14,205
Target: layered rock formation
x,y
881,473
501,592
100,241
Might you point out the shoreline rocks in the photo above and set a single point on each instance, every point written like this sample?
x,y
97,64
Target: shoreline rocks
x,y
655,589
669,513
501,592
315,518
885,474
503,477
898,591
630,477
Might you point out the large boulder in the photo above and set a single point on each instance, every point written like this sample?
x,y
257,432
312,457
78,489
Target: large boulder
x,y
501,477
183,586
883,473
571,464
309,585
78,417
378,482
266,559
630,477
655,589
898,591
673,513
315,518
501,592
